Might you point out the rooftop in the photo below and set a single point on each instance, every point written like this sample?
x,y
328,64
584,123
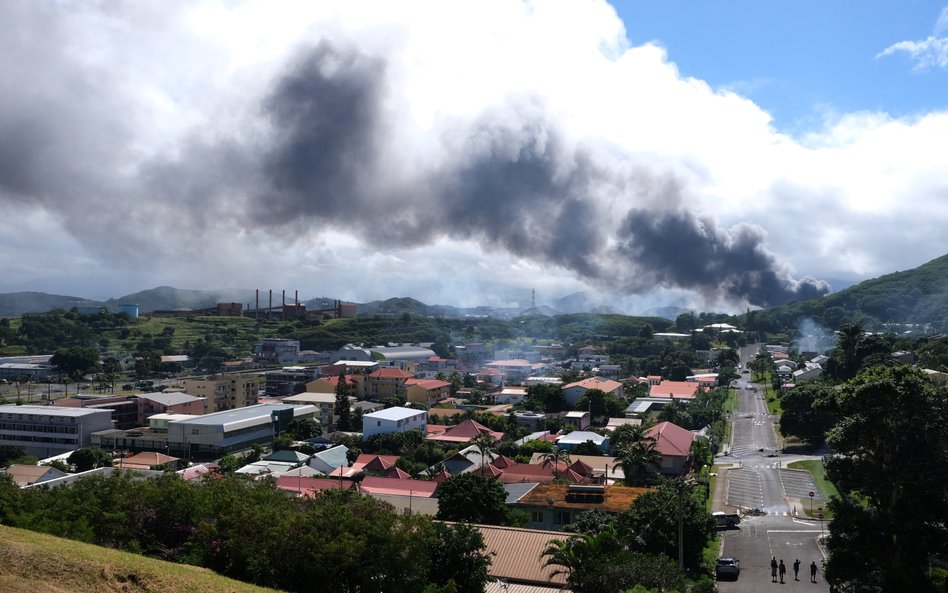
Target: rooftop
x,y
248,413
616,498
51,410
518,554
170,398
396,413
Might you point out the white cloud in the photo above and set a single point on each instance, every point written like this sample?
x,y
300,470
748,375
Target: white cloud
x,y
931,52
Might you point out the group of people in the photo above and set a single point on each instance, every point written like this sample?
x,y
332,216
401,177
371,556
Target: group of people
x,y
780,569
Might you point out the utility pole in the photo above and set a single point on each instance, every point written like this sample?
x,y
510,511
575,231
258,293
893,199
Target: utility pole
x,y
681,510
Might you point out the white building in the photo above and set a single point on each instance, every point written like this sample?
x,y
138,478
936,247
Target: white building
x,y
393,420
216,434
45,431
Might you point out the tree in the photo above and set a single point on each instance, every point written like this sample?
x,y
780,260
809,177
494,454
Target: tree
x,y
892,467
651,525
302,429
88,458
600,404
638,458
457,554
8,453
473,498
554,457
75,362
802,418
484,442
341,408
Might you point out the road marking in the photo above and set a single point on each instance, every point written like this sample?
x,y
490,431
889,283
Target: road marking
x,y
794,531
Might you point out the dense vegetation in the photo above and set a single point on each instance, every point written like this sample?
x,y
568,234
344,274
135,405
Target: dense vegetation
x,y
251,531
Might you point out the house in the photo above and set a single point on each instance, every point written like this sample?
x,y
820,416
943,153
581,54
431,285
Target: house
x,y
531,420
329,383
376,465
577,437
25,475
509,395
287,456
615,423
517,558
604,469
554,506
674,444
147,460
169,402
45,431
396,419
463,432
427,391
576,420
513,370
467,460
811,371
328,460
573,392
325,402
684,390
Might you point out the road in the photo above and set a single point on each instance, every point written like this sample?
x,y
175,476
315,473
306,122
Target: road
x,y
759,479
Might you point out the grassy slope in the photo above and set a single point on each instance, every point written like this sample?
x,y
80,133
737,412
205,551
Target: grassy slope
x,y
37,563
826,488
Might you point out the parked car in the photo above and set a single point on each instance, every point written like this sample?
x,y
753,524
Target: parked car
x,y
726,520
727,568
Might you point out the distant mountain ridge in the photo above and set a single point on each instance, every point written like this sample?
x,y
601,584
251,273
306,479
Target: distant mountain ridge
x,y
14,304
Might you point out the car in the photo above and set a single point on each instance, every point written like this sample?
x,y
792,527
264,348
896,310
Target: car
x,y
745,372
726,520
727,568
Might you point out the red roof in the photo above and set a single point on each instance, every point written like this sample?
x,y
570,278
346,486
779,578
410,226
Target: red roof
x,y
463,432
334,379
678,389
428,383
421,488
606,385
394,472
671,440
310,486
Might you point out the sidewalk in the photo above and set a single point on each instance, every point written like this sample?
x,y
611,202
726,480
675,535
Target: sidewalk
x,y
719,496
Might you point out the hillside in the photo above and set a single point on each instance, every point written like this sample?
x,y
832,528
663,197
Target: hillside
x,y
14,304
37,563
165,298
919,295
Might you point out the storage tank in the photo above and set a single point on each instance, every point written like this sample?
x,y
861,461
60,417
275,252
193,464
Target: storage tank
x,y
129,309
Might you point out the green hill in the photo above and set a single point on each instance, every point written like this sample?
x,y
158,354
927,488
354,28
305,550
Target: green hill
x,y
38,563
14,304
167,298
919,295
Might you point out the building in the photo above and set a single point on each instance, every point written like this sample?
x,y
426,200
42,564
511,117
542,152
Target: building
x,y
124,408
578,437
213,435
277,351
517,558
224,392
462,432
45,431
386,382
427,391
393,420
674,389
553,506
350,352
172,402
509,395
674,444
530,420
26,475
325,402
573,392
576,420
403,353
289,380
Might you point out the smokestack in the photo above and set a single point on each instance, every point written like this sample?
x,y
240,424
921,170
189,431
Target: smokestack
x,y
270,308
296,297
283,307
256,308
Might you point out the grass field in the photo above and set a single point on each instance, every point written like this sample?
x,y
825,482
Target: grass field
x,y
38,563
826,488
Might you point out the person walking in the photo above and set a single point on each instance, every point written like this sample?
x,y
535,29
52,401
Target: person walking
x,y
773,569
813,572
783,570
796,569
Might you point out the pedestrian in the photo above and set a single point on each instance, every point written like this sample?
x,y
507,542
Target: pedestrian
x,y
773,569
813,571
783,569
796,569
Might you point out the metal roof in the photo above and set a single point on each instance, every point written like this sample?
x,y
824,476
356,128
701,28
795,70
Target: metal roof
x,y
396,413
52,410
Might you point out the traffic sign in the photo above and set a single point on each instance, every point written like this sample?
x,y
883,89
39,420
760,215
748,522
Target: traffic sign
x,y
821,516
812,494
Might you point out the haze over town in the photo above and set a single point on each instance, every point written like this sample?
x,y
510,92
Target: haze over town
x,y
468,153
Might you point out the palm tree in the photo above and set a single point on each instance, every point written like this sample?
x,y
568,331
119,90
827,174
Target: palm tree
x,y
580,553
554,457
639,457
484,442
848,342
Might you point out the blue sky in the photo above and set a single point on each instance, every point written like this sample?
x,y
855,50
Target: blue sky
x,y
714,155
799,60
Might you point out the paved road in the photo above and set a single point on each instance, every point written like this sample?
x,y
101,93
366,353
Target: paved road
x,y
760,479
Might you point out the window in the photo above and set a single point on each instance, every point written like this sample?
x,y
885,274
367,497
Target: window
x,y
561,517
536,517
